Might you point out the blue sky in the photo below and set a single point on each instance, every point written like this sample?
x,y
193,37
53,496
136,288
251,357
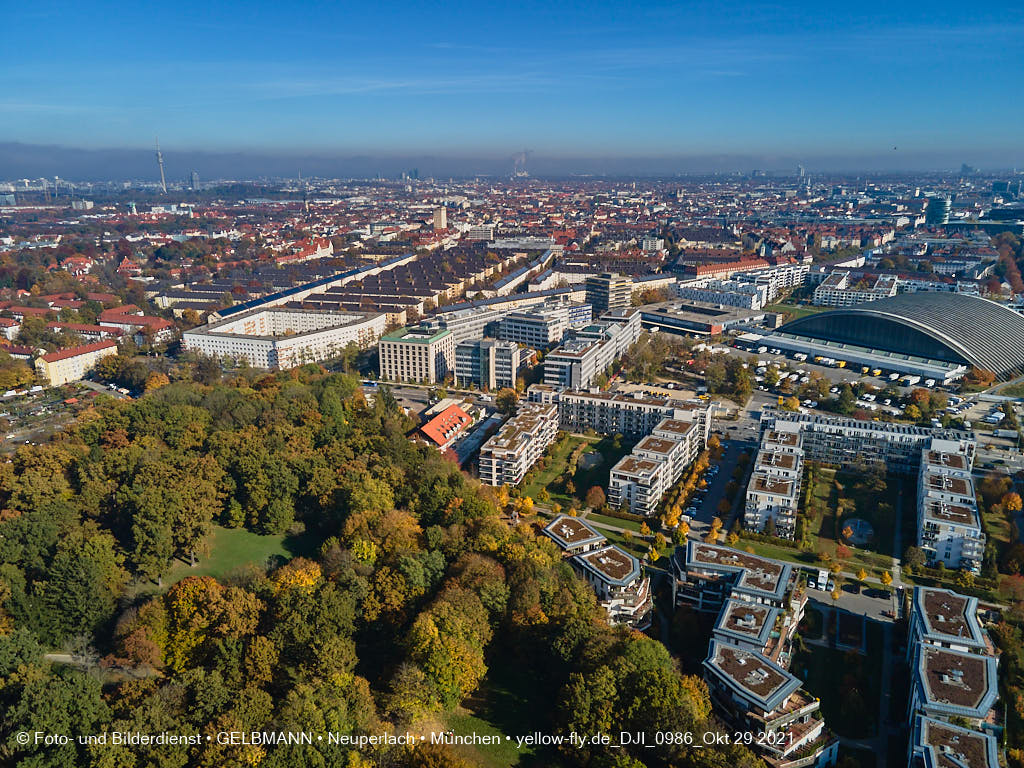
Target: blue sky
x,y
559,78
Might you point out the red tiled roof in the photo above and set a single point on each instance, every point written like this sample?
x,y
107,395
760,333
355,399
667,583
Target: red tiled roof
x,y
64,354
442,428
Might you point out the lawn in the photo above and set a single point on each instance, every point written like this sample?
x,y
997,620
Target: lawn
x,y
232,549
883,509
499,708
632,525
597,458
637,547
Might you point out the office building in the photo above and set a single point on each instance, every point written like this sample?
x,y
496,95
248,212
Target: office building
x,y
609,291
440,219
592,350
544,325
507,456
487,363
417,354
938,211
468,323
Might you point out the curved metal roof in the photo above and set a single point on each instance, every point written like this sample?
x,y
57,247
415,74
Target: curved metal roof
x,y
986,334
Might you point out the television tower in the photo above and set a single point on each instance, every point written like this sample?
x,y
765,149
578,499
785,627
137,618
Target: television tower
x,y
160,162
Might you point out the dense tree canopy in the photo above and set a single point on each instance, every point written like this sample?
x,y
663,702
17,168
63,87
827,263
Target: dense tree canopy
x,y
417,593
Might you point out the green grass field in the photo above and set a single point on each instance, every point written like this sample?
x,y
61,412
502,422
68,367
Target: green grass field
x,y
233,549
588,472
547,478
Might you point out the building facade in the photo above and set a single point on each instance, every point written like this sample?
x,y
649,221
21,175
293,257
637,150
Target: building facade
x,y
948,523
417,354
487,363
609,291
507,456
73,363
279,338
759,603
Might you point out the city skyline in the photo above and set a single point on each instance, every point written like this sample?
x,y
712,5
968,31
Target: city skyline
x,y
870,87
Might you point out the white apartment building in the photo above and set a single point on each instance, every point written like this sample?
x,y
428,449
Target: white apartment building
x,y
948,523
615,575
279,338
840,290
840,441
507,456
773,492
759,606
417,354
627,414
639,481
776,279
730,293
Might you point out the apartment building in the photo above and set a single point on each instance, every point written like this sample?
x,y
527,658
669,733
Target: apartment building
x,y
839,289
507,456
609,291
487,363
954,685
759,603
948,523
777,279
843,441
73,363
731,293
417,354
630,414
280,338
615,575
480,232
639,481
773,493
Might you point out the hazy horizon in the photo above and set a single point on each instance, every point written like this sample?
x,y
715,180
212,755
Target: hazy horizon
x,y
21,160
